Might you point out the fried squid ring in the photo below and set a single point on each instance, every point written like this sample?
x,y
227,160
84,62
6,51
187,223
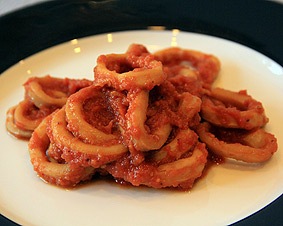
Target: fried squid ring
x,y
142,139
13,128
185,171
65,175
233,110
208,66
185,79
126,71
75,150
184,141
181,173
50,91
251,146
40,98
76,118
21,116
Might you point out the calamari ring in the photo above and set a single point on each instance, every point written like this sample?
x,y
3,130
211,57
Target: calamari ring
x,y
76,119
184,141
21,119
125,71
48,91
207,65
136,118
185,79
256,146
65,175
233,110
185,171
75,150
13,128
40,98
181,173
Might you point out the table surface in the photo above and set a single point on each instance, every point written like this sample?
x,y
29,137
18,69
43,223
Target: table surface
x,y
7,6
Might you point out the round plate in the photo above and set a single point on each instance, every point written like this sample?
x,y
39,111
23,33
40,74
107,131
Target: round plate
x,y
36,28
238,187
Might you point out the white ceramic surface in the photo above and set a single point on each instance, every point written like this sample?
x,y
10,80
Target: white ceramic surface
x,y
228,193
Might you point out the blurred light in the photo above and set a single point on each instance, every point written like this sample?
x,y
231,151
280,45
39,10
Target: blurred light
x,y
156,28
77,50
109,38
175,32
29,71
74,41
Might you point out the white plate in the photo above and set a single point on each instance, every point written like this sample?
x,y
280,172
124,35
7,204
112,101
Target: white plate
x,y
228,193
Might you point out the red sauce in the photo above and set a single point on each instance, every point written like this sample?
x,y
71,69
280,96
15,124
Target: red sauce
x,y
98,113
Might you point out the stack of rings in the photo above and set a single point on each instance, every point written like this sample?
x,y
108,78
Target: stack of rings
x,y
146,119
241,119
42,96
